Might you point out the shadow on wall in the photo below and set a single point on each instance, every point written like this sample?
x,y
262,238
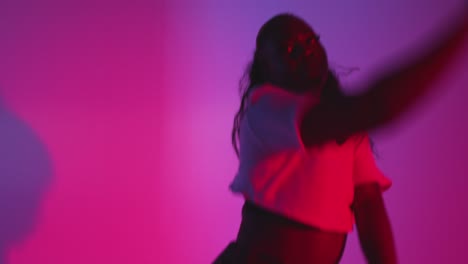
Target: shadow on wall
x,y
25,176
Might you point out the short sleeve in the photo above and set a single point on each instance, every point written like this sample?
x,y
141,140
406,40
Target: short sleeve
x,y
365,167
272,116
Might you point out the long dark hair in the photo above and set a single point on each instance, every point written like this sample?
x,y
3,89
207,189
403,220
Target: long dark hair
x,y
251,78
254,76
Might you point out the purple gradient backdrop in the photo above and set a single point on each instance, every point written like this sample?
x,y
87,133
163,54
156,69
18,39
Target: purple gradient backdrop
x,y
133,104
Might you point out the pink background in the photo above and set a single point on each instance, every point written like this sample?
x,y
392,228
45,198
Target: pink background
x,y
115,122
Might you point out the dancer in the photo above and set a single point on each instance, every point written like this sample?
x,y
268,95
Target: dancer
x,y
307,171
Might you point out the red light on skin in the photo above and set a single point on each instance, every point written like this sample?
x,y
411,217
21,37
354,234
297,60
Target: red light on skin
x,y
304,43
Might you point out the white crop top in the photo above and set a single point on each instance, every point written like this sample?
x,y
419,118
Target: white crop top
x,y
315,185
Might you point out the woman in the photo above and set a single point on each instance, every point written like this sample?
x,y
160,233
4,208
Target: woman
x,y
306,167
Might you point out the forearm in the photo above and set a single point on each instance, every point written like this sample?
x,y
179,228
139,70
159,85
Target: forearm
x,y
375,232
397,90
389,96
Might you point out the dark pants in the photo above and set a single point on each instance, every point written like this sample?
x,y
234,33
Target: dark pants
x,y
268,238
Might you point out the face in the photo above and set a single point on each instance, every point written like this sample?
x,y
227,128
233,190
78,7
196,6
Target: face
x,y
295,57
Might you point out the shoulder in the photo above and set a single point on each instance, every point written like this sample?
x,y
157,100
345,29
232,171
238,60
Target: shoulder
x,y
278,94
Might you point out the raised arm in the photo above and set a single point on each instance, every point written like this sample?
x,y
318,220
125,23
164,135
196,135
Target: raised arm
x,y
389,96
